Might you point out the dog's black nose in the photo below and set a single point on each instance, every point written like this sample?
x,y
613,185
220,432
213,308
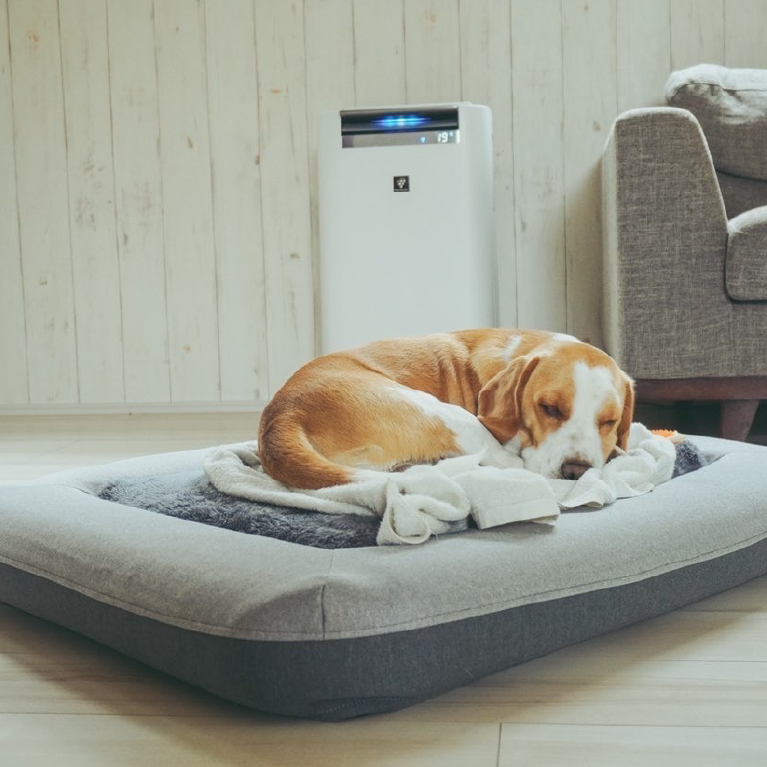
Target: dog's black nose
x,y
574,469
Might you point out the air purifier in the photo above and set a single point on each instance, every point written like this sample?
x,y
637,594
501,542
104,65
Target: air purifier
x,y
406,222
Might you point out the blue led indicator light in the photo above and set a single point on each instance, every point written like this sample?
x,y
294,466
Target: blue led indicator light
x,y
401,122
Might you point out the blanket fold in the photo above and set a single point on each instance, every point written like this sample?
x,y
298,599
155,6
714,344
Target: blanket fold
x,y
428,500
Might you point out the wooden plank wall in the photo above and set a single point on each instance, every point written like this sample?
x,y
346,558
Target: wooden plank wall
x,y
158,216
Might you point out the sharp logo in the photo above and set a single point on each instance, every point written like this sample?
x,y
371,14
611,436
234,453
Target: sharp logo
x,y
402,183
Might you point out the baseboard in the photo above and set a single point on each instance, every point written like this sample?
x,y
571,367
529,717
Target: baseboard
x,y
134,408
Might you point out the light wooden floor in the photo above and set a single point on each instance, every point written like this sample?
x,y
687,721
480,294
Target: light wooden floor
x,y
688,688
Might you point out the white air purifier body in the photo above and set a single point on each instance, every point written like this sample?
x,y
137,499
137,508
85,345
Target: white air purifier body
x,y
406,222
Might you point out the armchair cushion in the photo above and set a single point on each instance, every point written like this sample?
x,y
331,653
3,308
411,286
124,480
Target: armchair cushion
x,y
746,262
731,107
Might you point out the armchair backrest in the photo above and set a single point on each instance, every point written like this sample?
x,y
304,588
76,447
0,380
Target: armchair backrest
x,y
731,107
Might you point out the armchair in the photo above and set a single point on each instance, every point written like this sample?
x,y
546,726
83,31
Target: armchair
x,y
685,243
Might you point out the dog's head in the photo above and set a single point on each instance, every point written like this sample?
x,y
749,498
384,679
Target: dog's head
x,y
566,405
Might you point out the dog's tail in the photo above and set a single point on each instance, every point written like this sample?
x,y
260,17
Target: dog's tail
x,y
288,456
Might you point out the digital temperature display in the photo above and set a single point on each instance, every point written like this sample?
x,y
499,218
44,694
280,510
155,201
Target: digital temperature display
x,y
400,138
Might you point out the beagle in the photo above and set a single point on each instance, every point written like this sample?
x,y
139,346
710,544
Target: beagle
x,y
561,405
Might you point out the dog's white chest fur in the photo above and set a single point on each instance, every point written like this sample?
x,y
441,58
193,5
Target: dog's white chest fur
x,y
471,436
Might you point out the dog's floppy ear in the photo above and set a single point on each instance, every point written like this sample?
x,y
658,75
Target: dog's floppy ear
x,y
628,413
500,400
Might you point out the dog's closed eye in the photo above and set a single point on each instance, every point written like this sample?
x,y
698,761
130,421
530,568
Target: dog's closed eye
x,y
551,411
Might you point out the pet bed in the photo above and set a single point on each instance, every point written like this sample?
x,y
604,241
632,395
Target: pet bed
x,y
336,632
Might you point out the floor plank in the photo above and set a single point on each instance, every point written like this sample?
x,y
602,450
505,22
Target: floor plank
x,y
140,740
556,746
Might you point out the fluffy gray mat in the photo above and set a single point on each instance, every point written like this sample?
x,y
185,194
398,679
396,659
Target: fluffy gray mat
x,y
189,495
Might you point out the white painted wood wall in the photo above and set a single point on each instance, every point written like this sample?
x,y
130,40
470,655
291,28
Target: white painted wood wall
x,y
158,225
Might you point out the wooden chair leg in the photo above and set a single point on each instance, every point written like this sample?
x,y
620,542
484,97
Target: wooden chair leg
x,y
739,397
737,417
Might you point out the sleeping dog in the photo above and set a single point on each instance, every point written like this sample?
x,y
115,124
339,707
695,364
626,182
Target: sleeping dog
x,y
561,404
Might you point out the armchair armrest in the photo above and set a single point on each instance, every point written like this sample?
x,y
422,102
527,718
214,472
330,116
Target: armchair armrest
x,y
665,310
746,269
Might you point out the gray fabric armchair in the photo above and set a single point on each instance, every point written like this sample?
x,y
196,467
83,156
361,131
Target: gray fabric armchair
x,y
685,243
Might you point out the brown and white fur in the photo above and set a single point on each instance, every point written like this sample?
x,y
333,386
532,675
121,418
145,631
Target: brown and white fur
x,y
562,404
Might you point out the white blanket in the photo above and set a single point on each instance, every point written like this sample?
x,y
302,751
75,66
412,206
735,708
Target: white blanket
x,y
429,500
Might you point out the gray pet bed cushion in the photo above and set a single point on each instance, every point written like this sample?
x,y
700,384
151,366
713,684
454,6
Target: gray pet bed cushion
x,y
336,633
190,495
